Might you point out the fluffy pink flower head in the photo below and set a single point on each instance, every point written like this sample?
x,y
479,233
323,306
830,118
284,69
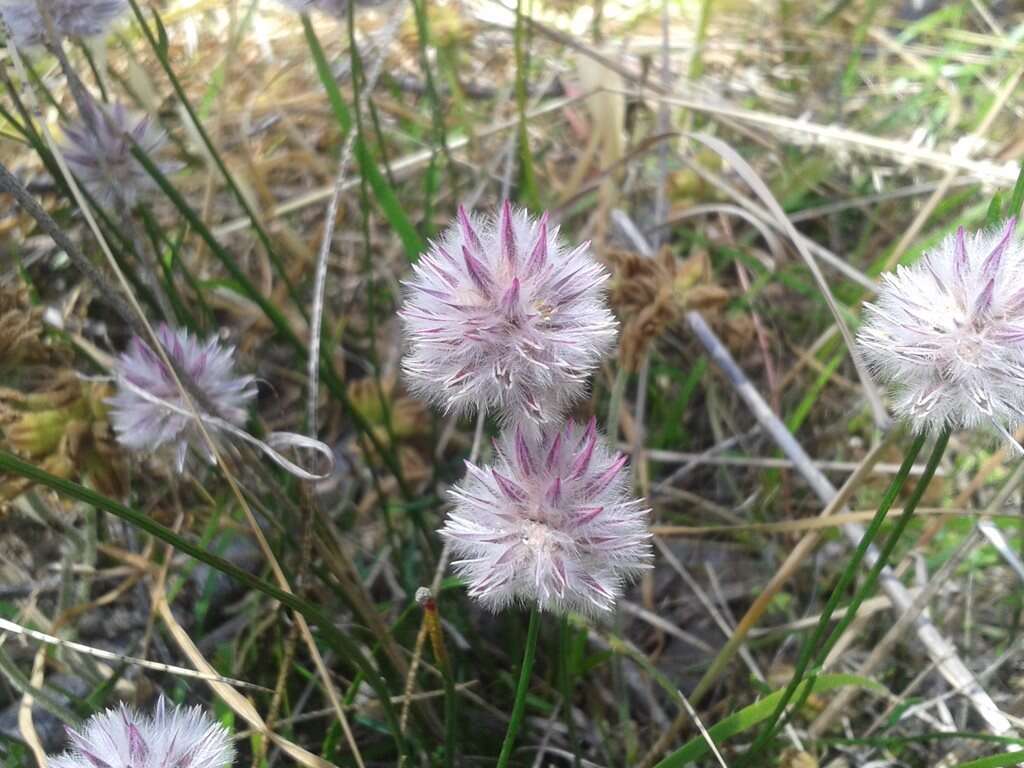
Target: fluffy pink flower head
x,y
71,18
145,424
552,522
501,315
99,153
948,333
172,737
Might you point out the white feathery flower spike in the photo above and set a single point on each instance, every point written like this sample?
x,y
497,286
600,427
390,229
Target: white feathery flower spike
x,y
172,737
551,523
948,333
71,18
143,423
501,315
99,153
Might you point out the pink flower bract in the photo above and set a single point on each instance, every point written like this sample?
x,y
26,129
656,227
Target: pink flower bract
x,y
172,737
552,522
501,315
948,333
146,426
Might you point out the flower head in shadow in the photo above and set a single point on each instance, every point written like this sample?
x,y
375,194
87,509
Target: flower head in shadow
x,y
98,151
148,412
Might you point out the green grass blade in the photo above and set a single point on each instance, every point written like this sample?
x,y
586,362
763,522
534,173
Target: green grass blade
x,y
437,110
382,190
530,194
1017,196
852,72
159,46
810,646
269,309
995,761
803,409
887,548
995,210
343,646
171,260
395,215
750,716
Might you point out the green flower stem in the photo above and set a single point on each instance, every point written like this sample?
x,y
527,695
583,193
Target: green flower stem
x,y
451,717
519,707
566,682
887,549
807,652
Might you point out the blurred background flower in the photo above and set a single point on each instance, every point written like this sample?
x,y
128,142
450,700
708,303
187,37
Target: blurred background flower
x,y
71,18
139,411
98,151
